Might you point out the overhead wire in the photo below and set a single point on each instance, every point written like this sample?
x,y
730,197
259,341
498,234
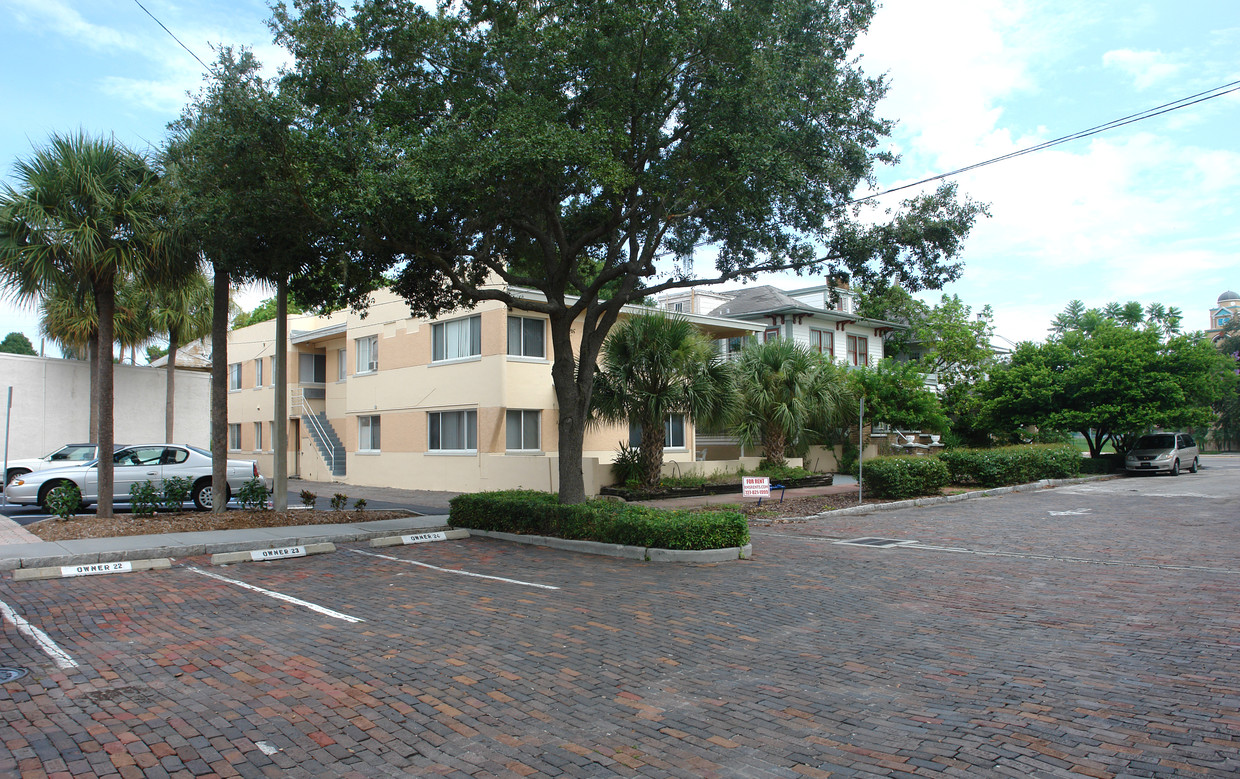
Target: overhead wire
x,y
1149,113
174,37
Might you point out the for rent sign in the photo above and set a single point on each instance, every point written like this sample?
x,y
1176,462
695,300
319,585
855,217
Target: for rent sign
x,y
756,486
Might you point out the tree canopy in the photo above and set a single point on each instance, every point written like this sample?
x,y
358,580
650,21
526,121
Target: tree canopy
x,y
596,151
17,343
1110,383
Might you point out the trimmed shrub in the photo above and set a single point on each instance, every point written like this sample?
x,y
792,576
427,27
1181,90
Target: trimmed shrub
x,y
527,512
64,501
903,477
176,491
253,495
1106,463
1012,464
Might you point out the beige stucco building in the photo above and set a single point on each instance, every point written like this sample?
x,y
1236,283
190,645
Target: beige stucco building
x,y
462,402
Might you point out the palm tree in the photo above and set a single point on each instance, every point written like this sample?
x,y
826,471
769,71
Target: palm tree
x,y
83,210
789,393
655,365
183,312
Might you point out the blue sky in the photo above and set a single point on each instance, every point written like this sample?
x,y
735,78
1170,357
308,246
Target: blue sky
x,y
1147,212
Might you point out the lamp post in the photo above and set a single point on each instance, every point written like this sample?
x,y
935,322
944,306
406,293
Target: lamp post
x,y
860,447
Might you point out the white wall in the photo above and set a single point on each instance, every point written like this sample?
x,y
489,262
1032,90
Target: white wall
x,y
51,404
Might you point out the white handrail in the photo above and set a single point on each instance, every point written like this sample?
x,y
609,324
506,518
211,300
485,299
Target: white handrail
x,y
305,412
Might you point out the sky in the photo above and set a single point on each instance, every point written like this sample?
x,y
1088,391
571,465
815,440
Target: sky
x,y
1145,212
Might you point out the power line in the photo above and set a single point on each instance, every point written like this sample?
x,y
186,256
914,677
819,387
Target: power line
x,y
175,38
1174,105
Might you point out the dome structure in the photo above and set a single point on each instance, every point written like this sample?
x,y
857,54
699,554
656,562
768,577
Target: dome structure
x,y
1228,295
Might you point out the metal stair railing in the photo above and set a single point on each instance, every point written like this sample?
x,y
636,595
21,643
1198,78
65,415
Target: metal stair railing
x,y
321,434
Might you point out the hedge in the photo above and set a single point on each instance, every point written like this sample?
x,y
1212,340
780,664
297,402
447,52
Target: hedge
x,y
527,512
1105,463
1012,464
903,477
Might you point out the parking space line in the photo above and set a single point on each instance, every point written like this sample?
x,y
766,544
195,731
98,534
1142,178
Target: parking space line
x,y
45,642
278,596
453,570
1022,555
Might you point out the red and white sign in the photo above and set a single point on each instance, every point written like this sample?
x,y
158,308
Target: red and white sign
x,y
756,486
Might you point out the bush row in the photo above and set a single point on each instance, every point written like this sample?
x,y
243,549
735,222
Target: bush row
x,y
1012,464
528,512
1106,463
903,477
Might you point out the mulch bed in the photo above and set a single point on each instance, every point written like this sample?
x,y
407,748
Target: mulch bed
x,y
90,526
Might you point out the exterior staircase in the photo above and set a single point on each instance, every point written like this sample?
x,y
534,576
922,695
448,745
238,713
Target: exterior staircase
x,y
330,447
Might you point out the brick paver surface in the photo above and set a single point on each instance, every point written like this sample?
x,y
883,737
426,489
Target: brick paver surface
x,y
1081,631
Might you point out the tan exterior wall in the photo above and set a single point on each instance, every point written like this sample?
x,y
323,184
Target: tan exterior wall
x,y
405,389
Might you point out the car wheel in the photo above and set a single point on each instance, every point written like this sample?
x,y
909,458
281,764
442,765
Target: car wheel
x,y
1175,468
14,473
1193,468
46,492
202,495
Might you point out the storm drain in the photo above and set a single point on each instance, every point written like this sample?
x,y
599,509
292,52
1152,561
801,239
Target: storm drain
x,y
11,674
876,543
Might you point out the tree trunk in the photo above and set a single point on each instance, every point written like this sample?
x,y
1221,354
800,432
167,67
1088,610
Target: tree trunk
x,y
105,304
773,447
652,443
279,432
92,360
170,389
572,407
219,391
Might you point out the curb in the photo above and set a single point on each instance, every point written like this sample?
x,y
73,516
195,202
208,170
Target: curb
x,y
650,554
935,500
120,549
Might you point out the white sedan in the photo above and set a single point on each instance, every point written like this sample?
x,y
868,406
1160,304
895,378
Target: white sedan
x,y
69,454
134,465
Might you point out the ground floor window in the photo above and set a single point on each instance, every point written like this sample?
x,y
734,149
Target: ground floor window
x,y
522,430
822,341
452,431
673,432
234,436
858,350
258,436
368,434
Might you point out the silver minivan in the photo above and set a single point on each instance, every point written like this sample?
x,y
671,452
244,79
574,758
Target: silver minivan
x,y
1163,453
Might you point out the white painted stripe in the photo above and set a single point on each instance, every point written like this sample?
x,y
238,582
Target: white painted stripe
x,y
462,573
49,647
278,596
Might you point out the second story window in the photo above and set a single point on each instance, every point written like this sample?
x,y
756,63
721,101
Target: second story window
x,y
234,376
526,337
455,340
258,372
367,354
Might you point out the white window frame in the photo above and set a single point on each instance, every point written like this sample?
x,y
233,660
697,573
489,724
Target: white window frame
x,y
342,364
467,419
258,436
670,423
522,322
443,332
367,354
234,376
369,434
258,372
234,436
525,422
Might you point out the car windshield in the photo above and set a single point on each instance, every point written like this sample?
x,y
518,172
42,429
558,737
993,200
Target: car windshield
x,y
73,453
1162,441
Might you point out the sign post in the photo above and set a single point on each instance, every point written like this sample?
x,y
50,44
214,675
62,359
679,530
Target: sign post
x,y
860,447
8,413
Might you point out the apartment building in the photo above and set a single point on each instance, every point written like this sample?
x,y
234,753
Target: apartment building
x,y
461,402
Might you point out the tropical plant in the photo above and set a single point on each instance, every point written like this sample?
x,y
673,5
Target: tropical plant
x,y
790,395
65,501
339,501
253,494
653,366
85,210
308,498
183,312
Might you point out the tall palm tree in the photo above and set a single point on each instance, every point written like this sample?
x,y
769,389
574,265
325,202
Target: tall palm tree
x,y
84,209
654,365
183,312
788,393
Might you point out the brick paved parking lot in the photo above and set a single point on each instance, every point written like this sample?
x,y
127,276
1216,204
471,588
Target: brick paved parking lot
x,y
1088,630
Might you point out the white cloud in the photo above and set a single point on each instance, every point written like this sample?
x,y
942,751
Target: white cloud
x,y
1147,68
55,16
